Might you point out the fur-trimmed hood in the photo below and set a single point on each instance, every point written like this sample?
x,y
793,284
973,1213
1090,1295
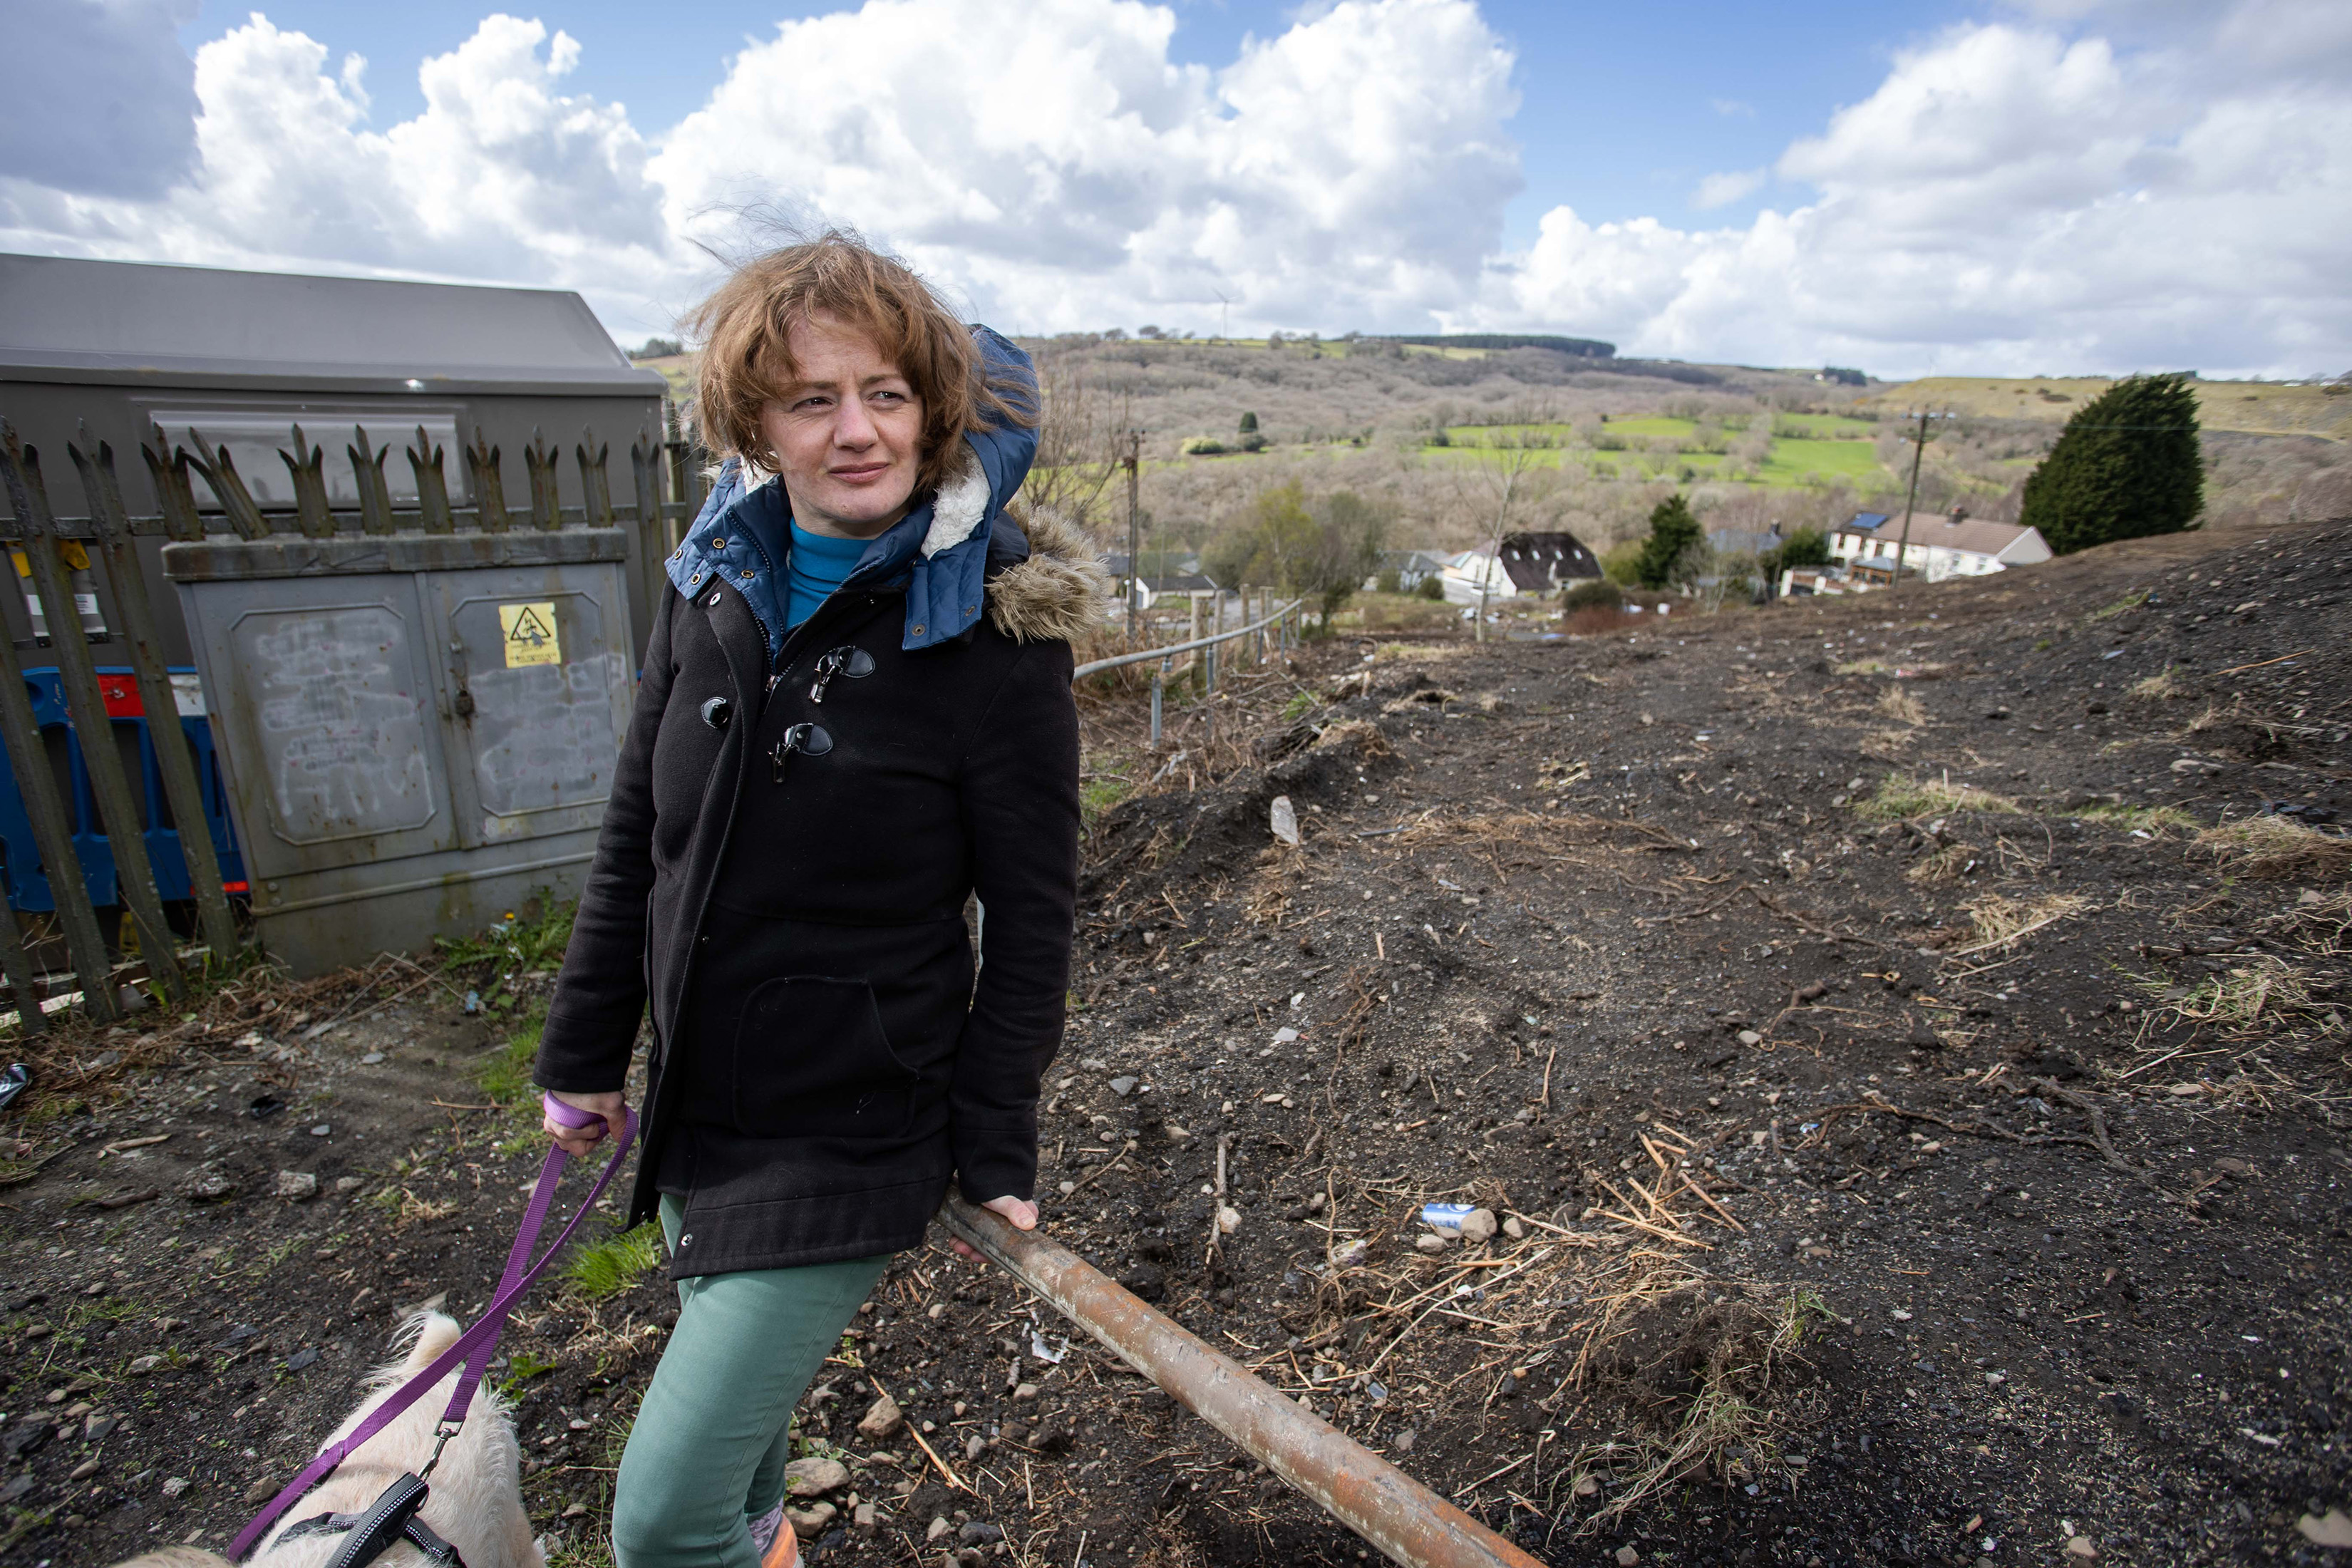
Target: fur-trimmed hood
x,y
1054,590
951,555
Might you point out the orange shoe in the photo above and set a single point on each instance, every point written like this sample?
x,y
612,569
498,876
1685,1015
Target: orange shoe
x,y
783,1547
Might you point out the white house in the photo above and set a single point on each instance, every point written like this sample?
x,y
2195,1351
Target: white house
x,y
1466,574
1940,545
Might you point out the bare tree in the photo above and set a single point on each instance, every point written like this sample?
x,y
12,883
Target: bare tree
x,y
1499,487
1079,443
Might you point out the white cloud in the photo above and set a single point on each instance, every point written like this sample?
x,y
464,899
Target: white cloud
x,y
2024,195
1056,165
2007,199
500,176
1722,190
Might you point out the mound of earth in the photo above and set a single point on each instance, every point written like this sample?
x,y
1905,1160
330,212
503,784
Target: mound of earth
x,y
1894,1052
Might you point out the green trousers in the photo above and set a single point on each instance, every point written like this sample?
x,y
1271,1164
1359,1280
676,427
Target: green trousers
x,y
709,1449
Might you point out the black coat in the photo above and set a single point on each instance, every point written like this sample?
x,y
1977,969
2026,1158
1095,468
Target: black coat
x,y
824,1055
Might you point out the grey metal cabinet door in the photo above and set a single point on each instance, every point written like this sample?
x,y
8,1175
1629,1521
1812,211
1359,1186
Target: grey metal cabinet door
x,y
535,683
331,741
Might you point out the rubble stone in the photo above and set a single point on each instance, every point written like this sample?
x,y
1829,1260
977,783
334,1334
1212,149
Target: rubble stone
x,y
815,1478
296,1186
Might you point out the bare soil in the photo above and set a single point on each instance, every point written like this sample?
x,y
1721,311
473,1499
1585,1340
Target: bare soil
x,y
1906,1040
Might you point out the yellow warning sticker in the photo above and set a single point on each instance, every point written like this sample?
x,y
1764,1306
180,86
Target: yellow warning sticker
x,y
528,632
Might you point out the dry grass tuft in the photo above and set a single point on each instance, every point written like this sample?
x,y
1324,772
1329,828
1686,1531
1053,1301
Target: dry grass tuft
x,y
2165,687
2156,821
1554,774
1362,734
1946,865
1901,706
1899,799
2256,996
1279,868
1420,701
1728,1431
2000,921
2274,848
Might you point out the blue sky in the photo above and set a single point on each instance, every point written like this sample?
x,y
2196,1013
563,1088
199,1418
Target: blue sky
x,y
1622,113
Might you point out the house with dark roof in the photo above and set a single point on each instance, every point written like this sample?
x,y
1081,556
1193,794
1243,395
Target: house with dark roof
x,y
1937,545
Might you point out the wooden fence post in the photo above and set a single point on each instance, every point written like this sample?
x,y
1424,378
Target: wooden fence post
x,y
595,484
490,489
18,970
94,460
367,472
432,486
540,461
135,877
52,828
307,465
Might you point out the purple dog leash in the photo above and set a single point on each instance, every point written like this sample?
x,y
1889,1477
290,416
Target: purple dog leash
x,y
474,1347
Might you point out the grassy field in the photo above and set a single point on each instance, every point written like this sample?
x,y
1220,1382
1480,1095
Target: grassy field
x,y
1795,459
2254,407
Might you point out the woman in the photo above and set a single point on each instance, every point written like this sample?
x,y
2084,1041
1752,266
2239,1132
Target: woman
x,y
854,713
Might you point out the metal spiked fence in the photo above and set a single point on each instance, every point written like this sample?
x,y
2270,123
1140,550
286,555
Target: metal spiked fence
x,y
117,611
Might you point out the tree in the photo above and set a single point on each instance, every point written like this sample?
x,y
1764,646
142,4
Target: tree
x,y
1321,550
1080,438
660,348
1674,538
1501,483
2127,466
1806,547
1249,423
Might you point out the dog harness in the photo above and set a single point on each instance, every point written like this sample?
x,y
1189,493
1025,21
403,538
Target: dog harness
x,y
392,1521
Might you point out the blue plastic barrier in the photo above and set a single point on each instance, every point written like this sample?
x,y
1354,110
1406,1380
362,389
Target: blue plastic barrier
x,y
28,882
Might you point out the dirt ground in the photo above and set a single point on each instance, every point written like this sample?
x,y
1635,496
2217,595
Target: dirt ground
x,y
1903,1043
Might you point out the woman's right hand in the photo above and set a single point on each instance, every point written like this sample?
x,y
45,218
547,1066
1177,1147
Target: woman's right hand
x,y
578,1142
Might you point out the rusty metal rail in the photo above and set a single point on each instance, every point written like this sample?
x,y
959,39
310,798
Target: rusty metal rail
x,y
1278,617
1391,1510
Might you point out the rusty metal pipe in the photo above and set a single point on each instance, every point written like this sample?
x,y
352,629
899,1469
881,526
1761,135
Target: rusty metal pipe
x,y
1390,1510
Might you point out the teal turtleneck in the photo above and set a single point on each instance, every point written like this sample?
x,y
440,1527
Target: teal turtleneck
x,y
819,565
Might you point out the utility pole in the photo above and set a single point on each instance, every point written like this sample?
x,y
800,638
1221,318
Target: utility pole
x,y
1134,463
1919,451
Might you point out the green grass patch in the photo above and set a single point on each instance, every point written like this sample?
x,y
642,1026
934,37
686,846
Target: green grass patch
x,y
532,937
1791,462
2124,605
2140,818
521,1367
1804,451
1298,706
504,1075
1863,667
609,1266
1096,796
1899,799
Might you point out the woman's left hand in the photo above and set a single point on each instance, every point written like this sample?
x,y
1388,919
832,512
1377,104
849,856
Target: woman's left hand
x,y
1020,1213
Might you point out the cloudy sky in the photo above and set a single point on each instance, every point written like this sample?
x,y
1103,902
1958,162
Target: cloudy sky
x,y
2046,187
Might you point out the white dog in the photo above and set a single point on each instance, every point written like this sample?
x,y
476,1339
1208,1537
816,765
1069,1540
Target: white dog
x,y
477,1499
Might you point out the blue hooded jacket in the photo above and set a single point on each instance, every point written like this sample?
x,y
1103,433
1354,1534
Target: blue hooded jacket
x,y
940,549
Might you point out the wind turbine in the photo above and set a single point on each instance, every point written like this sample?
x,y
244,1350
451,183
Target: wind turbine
x,y
1223,315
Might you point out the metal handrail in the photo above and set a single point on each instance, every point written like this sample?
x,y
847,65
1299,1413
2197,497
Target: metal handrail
x,y
1098,665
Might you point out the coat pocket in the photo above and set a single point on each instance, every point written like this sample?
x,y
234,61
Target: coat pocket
x,y
811,1059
